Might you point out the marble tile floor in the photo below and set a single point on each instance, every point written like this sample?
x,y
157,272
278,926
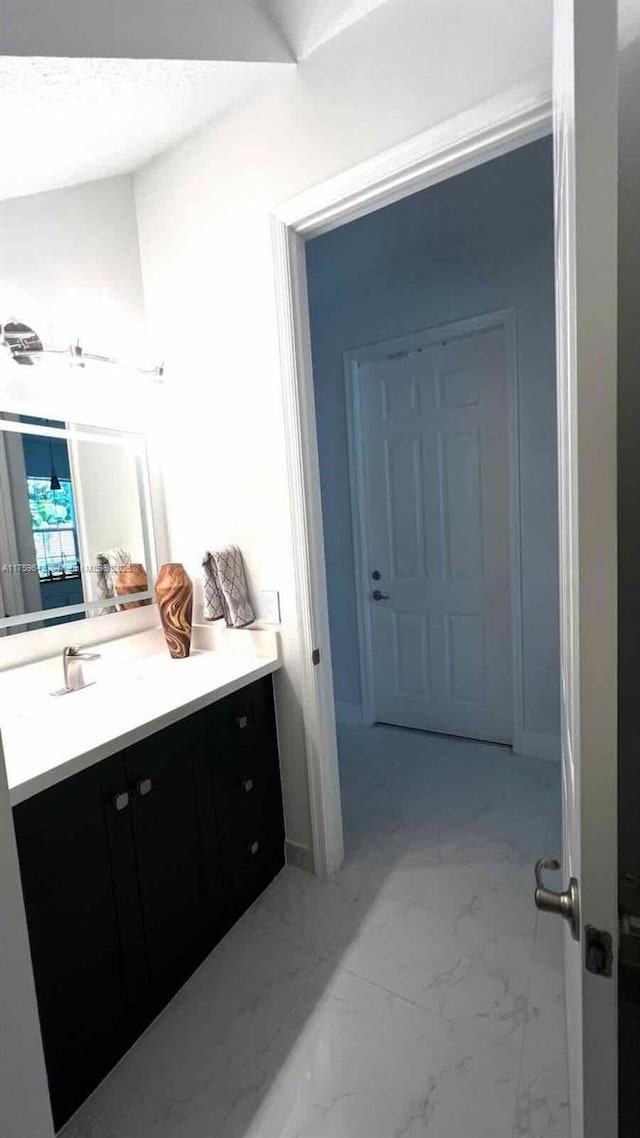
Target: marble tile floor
x,y
418,994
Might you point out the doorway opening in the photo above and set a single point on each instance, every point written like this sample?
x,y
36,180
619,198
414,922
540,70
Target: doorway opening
x,y
432,344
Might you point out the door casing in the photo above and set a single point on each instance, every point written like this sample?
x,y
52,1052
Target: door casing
x,y
505,319
487,131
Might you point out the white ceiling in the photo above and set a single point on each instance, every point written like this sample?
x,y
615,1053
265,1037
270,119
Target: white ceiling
x,y
73,120
306,24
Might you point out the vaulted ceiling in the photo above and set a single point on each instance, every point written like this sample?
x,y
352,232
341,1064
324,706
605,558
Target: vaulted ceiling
x,y
90,90
73,120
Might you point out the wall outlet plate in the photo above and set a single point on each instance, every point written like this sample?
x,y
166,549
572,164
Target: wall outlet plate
x,y
269,606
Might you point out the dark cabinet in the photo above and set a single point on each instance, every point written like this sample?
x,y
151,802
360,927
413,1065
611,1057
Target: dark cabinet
x,y
86,941
178,914
133,869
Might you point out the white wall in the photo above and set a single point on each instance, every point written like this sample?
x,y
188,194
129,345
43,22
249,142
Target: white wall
x,y
478,243
203,214
70,266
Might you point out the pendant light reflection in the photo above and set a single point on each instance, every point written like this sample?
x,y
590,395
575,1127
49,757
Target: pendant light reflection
x,y
54,484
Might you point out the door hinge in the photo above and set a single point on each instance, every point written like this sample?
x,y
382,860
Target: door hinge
x,y
598,952
629,950
315,656
629,906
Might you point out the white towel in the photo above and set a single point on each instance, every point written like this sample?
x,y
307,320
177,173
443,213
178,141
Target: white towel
x,y
225,587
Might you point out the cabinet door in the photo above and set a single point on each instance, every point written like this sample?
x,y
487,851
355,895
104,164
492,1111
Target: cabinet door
x,y
177,910
242,761
85,936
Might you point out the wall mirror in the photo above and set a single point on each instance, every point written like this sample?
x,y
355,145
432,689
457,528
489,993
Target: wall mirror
x,y
76,528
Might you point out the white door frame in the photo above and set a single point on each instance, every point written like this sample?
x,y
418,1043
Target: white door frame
x,y
502,318
486,132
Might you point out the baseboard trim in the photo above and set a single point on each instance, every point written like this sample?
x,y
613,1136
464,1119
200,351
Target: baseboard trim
x,y
300,856
537,745
348,712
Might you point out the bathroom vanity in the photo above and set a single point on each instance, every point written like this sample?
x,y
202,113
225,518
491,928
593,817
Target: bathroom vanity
x,y
141,839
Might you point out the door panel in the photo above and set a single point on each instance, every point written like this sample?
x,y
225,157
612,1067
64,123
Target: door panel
x,y
466,657
585,129
434,426
460,488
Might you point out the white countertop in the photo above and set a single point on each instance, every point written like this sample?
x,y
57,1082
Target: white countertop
x,y
138,689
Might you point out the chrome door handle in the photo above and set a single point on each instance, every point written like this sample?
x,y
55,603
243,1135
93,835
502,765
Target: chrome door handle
x,y
378,596
565,904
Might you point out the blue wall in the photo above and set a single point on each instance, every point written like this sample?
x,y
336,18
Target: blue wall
x,y
37,457
477,243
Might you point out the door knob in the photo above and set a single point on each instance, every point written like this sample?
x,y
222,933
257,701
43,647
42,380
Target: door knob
x,y
565,904
378,596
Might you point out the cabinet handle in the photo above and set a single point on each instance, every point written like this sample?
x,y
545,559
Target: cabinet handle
x,y
242,721
144,786
121,801
254,847
247,785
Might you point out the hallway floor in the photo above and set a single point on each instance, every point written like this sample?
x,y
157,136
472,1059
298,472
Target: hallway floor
x,y
416,995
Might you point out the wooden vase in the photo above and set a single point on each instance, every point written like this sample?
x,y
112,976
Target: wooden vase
x,y
132,579
174,594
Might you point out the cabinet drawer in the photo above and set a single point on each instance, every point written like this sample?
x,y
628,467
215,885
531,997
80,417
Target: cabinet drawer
x,y
243,717
242,759
245,795
249,863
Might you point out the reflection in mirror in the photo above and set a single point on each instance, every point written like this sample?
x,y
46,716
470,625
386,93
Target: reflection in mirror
x,y
75,523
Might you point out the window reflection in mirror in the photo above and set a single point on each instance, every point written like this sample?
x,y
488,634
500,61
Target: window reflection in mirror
x,y
75,526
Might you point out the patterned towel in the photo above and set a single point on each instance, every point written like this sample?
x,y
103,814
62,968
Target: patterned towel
x,y
225,587
108,565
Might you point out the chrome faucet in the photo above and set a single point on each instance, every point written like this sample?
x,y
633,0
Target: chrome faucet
x,y
72,666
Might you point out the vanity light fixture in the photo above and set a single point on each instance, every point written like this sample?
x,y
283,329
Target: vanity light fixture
x,y
20,341
24,346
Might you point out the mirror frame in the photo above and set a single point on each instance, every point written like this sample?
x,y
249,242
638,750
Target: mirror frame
x,y
153,523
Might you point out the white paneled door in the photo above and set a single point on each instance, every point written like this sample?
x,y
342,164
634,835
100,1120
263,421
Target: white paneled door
x,y
586,171
432,430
